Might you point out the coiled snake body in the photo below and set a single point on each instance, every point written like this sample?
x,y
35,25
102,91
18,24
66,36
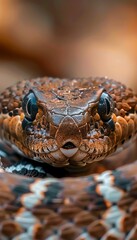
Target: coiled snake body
x,y
68,124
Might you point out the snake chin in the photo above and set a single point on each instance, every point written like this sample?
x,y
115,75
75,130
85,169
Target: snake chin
x,y
61,157
76,161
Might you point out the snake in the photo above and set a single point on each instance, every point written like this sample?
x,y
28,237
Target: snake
x,y
68,125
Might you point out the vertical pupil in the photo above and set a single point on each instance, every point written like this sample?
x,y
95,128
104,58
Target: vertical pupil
x,y
29,107
107,107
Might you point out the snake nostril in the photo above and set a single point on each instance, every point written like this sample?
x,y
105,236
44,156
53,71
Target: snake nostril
x,y
68,145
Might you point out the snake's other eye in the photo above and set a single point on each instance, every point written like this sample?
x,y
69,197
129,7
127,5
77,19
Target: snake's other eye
x,y
105,107
29,106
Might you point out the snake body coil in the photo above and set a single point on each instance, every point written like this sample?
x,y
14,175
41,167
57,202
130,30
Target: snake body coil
x,y
69,124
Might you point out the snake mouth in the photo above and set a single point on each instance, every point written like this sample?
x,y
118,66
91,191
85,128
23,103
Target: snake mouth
x,y
69,145
69,149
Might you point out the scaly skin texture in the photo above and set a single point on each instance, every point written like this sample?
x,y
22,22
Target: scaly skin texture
x,y
71,130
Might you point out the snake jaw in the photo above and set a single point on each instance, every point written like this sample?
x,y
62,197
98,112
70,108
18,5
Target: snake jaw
x,y
69,152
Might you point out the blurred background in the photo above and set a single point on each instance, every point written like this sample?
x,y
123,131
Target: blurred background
x,y
68,39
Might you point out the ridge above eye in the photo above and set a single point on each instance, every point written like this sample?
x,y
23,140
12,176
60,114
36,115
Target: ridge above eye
x,y
105,106
29,106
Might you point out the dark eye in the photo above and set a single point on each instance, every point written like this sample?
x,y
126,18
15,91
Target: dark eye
x,y
29,106
105,106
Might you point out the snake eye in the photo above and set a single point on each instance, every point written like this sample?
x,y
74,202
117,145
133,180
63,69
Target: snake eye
x,y
29,106
105,107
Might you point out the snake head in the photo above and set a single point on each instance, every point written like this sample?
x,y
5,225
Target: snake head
x,y
70,122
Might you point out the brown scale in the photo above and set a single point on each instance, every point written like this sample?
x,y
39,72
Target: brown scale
x,y
10,229
97,229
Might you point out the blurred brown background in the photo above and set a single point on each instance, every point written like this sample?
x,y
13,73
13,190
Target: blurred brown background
x,y
68,39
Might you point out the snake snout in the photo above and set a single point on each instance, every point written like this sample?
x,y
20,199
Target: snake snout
x,y
68,136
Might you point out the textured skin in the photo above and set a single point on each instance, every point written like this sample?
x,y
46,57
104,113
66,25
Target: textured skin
x,y
98,207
